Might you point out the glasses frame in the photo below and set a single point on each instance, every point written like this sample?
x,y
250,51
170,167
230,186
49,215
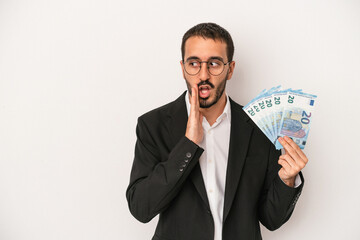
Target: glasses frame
x,y
207,66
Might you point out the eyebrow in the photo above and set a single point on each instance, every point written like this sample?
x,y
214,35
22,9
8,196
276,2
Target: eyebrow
x,y
212,57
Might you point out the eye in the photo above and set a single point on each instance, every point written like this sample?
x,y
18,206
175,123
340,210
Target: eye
x,y
214,63
194,64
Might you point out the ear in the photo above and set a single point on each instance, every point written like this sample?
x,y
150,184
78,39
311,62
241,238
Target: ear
x,y
231,69
182,68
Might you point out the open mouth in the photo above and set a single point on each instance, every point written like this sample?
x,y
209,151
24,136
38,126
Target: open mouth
x,y
204,91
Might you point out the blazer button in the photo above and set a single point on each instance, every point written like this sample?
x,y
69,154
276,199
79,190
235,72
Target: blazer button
x,y
186,160
188,155
181,169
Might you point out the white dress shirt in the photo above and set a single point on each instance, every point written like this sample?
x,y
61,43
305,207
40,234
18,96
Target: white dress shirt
x,y
213,162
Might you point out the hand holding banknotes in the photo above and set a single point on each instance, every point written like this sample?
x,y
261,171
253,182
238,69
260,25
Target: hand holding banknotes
x,y
292,162
284,116
194,129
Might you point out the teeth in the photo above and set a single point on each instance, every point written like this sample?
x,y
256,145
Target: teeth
x,y
204,88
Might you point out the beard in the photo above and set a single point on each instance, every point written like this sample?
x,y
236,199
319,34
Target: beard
x,y
219,90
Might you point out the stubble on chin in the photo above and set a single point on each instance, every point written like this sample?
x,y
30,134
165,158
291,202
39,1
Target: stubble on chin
x,y
205,102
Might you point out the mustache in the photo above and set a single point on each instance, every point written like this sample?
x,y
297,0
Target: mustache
x,y
206,82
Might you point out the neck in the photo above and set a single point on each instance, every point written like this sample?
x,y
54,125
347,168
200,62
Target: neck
x,y
213,112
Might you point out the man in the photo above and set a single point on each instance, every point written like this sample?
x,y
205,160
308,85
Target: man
x,y
202,164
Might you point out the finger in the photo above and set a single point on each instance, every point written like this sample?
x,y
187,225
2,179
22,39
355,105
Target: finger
x,y
285,165
289,167
193,100
297,148
299,157
295,166
196,93
192,95
289,150
288,159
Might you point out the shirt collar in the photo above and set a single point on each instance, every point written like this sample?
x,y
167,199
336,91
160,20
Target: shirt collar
x,y
225,113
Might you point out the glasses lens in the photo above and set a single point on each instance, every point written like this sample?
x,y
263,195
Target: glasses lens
x,y
216,67
192,66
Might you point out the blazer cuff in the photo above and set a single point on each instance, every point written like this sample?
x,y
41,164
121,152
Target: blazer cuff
x,y
289,193
186,153
298,181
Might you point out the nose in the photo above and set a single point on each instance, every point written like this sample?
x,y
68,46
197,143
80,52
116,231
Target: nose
x,y
204,72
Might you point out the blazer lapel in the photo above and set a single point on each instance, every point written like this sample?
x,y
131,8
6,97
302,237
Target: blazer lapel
x,y
179,117
240,133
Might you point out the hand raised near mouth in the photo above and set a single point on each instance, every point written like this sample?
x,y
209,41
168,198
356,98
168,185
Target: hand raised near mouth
x,y
194,129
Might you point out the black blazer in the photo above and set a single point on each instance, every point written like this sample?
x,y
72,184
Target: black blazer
x,y
166,179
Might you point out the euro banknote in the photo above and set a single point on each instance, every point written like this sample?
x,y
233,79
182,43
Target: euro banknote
x,y
283,112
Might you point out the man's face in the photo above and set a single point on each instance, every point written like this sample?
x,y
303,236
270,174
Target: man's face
x,y
211,88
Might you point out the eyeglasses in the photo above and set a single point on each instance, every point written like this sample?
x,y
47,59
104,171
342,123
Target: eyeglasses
x,y
214,66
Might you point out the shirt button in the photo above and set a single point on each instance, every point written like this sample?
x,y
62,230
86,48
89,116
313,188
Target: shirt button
x,y
209,131
210,161
210,190
188,155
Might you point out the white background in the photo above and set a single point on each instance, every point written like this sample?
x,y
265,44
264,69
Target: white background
x,y
76,74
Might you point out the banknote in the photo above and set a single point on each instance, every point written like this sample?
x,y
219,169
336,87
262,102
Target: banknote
x,y
282,112
254,112
257,109
296,118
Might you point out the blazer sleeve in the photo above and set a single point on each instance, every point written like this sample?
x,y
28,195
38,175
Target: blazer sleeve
x,y
278,200
154,181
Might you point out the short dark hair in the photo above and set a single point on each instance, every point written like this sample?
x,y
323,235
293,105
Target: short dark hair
x,y
212,31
